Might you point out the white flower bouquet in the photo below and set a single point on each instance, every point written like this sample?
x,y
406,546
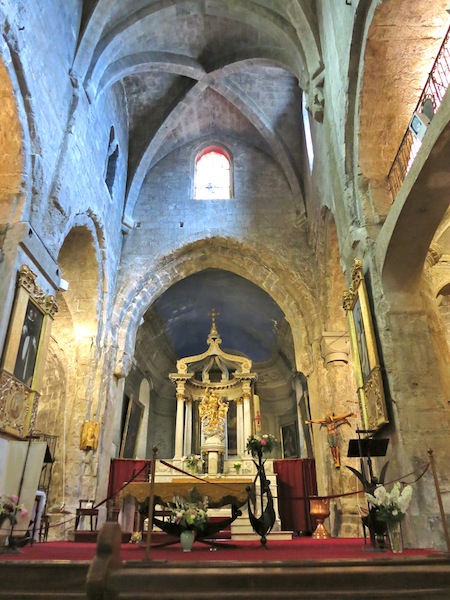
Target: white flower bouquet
x,y
390,506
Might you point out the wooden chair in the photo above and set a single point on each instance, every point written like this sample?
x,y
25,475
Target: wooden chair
x,y
86,509
44,527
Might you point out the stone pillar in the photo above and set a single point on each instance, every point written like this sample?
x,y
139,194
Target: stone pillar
x,y
179,425
257,410
213,463
241,439
188,427
247,414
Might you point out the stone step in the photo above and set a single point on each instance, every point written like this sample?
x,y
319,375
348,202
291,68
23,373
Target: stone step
x,y
412,578
252,536
334,580
242,530
31,595
55,580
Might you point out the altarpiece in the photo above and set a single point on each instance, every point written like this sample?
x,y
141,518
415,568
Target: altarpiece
x,y
217,409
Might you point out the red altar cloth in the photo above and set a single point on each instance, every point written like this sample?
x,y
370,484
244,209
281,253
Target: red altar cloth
x,y
296,481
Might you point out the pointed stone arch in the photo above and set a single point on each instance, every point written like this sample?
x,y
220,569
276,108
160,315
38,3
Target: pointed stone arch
x,y
419,211
71,381
11,144
293,292
406,37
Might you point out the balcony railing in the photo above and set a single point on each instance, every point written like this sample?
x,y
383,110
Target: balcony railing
x,y
437,83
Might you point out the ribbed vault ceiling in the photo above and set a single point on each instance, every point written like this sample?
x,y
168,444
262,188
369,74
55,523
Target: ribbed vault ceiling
x,y
192,70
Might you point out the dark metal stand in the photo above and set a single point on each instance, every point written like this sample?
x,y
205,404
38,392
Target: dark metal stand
x,y
366,448
263,524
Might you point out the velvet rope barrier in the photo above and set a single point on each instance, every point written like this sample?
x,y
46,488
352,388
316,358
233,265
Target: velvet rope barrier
x,y
424,467
222,483
110,497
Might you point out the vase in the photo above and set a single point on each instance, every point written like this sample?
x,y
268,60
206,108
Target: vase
x,y
187,538
395,537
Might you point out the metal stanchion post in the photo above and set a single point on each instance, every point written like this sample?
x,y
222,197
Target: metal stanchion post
x,y
150,505
439,497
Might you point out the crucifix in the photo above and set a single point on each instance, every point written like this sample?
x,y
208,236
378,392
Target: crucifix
x,y
332,422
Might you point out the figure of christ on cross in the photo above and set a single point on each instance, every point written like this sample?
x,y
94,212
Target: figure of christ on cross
x,y
332,422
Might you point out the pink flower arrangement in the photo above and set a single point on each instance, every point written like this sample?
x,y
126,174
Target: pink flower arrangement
x,y
193,461
10,508
190,514
261,443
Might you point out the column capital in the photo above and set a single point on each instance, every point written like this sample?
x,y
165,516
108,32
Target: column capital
x,y
335,346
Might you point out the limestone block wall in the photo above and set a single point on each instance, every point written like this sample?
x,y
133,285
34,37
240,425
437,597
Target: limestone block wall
x,y
338,22
41,36
262,208
79,189
68,136
66,142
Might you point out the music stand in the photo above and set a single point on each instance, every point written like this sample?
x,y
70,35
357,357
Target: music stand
x,y
366,448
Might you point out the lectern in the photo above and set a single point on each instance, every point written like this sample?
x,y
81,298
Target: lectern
x,y
366,448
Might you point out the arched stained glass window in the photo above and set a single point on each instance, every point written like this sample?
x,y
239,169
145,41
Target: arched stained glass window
x,y
212,175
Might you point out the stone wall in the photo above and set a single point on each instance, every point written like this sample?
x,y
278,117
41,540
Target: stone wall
x,y
58,216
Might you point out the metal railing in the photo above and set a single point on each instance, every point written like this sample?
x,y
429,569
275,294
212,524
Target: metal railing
x,y
437,83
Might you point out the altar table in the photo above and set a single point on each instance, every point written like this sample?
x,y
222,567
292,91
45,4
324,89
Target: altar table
x,y
220,492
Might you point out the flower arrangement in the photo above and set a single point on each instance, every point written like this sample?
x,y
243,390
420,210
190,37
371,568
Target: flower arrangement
x,y
10,508
190,514
391,506
193,461
136,537
261,443
237,466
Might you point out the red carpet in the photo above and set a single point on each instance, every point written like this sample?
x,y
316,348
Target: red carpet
x,y
297,549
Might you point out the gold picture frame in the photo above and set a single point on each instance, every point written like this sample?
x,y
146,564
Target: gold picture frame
x,y
289,440
364,351
23,360
89,435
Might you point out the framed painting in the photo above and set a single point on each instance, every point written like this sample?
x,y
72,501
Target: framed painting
x,y
24,356
28,344
89,435
135,412
364,351
289,440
